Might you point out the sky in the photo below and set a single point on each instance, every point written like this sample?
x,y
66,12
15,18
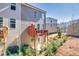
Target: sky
x,y
63,12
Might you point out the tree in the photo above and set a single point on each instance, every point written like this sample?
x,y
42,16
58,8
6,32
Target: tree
x,y
59,32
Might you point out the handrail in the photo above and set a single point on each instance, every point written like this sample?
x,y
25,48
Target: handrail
x,y
4,31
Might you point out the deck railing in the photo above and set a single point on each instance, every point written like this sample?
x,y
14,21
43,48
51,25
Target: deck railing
x,y
3,35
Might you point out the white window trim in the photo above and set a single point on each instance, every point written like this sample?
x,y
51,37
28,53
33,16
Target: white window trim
x,y
2,21
12,23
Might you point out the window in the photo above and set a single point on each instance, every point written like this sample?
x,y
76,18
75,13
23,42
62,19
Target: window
x,y
38,26
42,16
51,23
1,21
13,6
12,23
35,14
43,26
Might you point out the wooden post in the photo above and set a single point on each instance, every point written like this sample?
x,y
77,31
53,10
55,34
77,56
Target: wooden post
x,y
47,38
4,34
5,48
34,42
34,35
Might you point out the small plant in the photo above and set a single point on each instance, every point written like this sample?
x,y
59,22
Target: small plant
x,y
20,53
49,50
53,46
23,49
28,52
33,52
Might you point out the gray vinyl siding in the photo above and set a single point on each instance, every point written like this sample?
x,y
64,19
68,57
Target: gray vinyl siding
x,y
27,14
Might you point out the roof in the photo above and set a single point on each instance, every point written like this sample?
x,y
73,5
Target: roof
x,y
74,21
33,7
50,18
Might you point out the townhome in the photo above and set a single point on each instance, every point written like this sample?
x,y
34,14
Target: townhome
x,y
31,15
51,25
73,28
18,18
63,27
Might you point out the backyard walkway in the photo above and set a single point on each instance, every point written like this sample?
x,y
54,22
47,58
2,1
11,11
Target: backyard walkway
x,y
69,48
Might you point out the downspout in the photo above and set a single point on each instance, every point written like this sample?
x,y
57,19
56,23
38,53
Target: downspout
x,y
44,21
44,27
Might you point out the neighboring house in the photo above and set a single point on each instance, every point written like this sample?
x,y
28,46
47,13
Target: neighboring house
x,y
18,17
63,26
51,25
73,28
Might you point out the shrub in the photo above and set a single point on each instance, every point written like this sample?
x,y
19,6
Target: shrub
x,y
28,52
49,50
12,50
55,44
23,49
20,53
59,33
33,52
